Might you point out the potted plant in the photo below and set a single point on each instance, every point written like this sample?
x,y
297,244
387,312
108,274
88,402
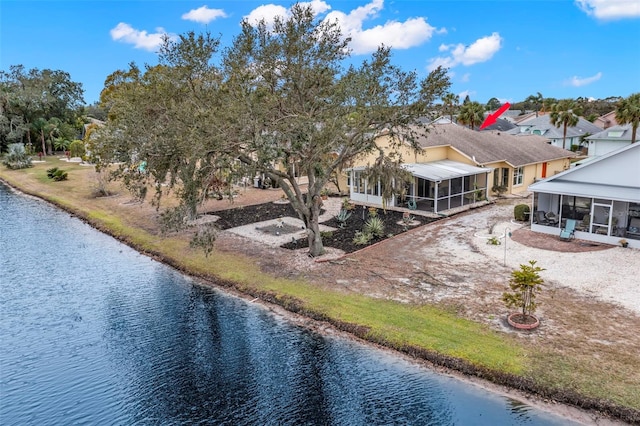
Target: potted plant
x,y
525,283
624,243
324,194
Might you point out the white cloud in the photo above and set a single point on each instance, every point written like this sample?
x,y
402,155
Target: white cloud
x,y
399,35
204,15
269,12
466,93
480,50
610,9
140,39
579,81
465,77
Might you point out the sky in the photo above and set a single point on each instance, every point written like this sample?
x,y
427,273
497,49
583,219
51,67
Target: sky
x,y
507,49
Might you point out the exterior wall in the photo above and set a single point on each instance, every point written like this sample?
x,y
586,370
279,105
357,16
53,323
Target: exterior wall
x,y
603,147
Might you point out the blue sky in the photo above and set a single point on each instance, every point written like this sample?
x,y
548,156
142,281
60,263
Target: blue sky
x,y
503,49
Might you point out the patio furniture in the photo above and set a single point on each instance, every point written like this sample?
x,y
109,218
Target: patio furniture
x,y
540,217
633,230
552,218
567,233
584,224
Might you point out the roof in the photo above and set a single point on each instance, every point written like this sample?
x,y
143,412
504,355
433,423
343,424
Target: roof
x,y
489,147
443,170
614,133
612,176
500,124
542,123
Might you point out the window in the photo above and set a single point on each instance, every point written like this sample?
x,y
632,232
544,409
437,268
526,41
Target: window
x,y
505,177
518,175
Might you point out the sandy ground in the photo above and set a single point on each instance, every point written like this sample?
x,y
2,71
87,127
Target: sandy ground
x,y
460,242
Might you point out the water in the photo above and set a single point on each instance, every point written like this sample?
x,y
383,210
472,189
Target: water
x,y
94,333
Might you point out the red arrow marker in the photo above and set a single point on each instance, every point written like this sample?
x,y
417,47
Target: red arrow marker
x,y
491,118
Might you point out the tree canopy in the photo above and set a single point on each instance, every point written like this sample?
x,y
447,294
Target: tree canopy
x,y
280,96
471,114
565,113
39,104
628,112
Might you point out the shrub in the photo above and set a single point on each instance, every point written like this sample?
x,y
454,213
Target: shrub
x,y
362,238
499,189
60,175
342,217
76,148
51,172
17,157
520,212
374,226
494,241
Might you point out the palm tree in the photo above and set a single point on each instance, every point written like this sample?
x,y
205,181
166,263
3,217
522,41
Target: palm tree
x,y
450,103
565,114
628,112
472,114
537,101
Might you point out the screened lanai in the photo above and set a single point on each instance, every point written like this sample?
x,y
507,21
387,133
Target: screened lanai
x,y
437,186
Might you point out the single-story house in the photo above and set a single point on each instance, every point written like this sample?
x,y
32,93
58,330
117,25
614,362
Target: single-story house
x,y
608,140
459,166
541,125
602,195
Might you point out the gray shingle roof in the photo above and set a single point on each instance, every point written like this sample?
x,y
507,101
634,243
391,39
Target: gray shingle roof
x,y
548,130
489,147
604,134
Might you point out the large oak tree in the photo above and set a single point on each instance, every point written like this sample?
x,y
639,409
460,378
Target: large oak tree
x,y
282,95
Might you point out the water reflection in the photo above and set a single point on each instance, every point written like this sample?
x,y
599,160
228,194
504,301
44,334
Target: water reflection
x,y
92,332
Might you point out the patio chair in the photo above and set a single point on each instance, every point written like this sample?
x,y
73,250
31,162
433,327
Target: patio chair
x,y
567,233
540,217
552,218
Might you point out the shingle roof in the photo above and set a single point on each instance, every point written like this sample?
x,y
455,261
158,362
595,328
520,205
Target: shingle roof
x,y
548,130
500,124
489,147
605,134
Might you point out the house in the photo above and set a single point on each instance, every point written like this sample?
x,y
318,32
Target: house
x,y
501,124
606,121
459,166
541,125
608,140
603,196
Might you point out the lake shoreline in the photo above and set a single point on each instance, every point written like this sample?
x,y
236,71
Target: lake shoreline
x,y
504,384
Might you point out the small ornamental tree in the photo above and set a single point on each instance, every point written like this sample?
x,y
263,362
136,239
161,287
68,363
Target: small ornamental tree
x,y
524,284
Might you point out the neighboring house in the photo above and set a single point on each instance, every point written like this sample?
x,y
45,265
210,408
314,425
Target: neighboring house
x,y
542,126
500,125
459,166
608,140
606,121
603,195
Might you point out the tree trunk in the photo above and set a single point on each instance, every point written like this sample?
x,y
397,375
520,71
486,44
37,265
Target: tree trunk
x,y
316,248
44,147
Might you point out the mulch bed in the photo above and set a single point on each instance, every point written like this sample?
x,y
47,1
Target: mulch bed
x,y
341,238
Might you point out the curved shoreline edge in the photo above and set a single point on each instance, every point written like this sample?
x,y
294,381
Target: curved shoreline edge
x,y
525,387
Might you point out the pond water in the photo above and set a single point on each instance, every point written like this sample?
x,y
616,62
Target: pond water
x,y
94,333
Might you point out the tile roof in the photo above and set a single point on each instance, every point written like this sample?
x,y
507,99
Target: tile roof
x,y
489,147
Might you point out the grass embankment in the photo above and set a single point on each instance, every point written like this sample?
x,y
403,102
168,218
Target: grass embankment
x,y
424,331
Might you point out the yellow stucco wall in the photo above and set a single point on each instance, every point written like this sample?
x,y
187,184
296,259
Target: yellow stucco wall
x,y
531,172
